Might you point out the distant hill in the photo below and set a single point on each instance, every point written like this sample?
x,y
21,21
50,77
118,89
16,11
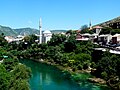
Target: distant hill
x,y
7,31
58,31
14,32
26,31
23,31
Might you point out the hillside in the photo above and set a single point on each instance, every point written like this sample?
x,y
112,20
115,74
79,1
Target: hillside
x,y
115,20
26,31
23,31
7,31
14,32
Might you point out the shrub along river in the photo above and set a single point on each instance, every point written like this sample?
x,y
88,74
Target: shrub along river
x,y
47,77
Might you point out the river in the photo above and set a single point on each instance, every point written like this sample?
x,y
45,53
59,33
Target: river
x,y
47,77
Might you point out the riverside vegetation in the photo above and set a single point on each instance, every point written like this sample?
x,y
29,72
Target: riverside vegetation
x,y
69,53
13,75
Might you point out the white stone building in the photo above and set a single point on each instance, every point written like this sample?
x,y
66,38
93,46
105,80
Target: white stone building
x,y
47,35
97,29
105,38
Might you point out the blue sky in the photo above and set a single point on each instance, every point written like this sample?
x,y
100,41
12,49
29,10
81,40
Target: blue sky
x,y
56,14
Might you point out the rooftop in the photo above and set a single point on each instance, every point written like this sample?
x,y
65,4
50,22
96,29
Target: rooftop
x,y
47,32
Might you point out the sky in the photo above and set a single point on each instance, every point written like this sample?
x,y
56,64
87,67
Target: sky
x,y
57,14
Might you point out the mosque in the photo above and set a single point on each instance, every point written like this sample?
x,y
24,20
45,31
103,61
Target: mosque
x,y
45,36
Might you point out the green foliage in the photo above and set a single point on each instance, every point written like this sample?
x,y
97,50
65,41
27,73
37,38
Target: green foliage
x,y
93,65
29,40
70,32
108,30
86,31
19,80
57,39
21,72
115,31
104,75
74,69
82,57
80,67
20,85
70,44
3,42
60,50
80,77
10,63
84,47
4,78
13,76
84,27
86,65
108,69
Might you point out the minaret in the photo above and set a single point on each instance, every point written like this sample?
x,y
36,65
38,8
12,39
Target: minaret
x,y
90,25
40,28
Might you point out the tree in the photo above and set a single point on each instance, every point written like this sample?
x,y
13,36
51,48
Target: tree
x,y
71,32
20,85
115,31
4,78
108,64
3,42
13,75
106,30
57,39
9,63
70,44
84,27
28,41
21,72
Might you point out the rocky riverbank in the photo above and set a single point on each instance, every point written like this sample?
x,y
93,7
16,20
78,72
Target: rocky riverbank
x,y
97,80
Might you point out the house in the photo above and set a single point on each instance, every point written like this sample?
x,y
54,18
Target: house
x,y
97,29
104,39
116,39
19,38
9,38
82,37
114,25
94,37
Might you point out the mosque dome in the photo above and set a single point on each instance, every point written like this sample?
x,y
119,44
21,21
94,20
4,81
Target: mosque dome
x,y
47,32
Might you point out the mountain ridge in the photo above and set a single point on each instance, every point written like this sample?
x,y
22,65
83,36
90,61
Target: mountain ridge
x,y
23,31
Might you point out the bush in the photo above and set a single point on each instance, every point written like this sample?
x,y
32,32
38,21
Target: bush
x,y
74,69
85,66
80,67
93,65
104,75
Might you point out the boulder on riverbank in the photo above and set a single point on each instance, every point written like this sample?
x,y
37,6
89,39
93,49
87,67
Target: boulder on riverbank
x,y
97,80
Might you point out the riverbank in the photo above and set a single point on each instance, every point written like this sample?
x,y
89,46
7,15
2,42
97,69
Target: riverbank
x,y
48,77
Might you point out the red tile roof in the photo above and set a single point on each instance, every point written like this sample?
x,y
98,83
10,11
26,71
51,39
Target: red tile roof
x,y
98,27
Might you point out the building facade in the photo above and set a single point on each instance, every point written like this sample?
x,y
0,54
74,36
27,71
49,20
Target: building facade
x,y
47,35
115,25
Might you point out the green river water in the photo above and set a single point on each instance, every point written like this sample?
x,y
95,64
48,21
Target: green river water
x,y
47,77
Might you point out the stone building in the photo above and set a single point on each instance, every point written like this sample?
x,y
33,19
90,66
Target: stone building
x,y
47,35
